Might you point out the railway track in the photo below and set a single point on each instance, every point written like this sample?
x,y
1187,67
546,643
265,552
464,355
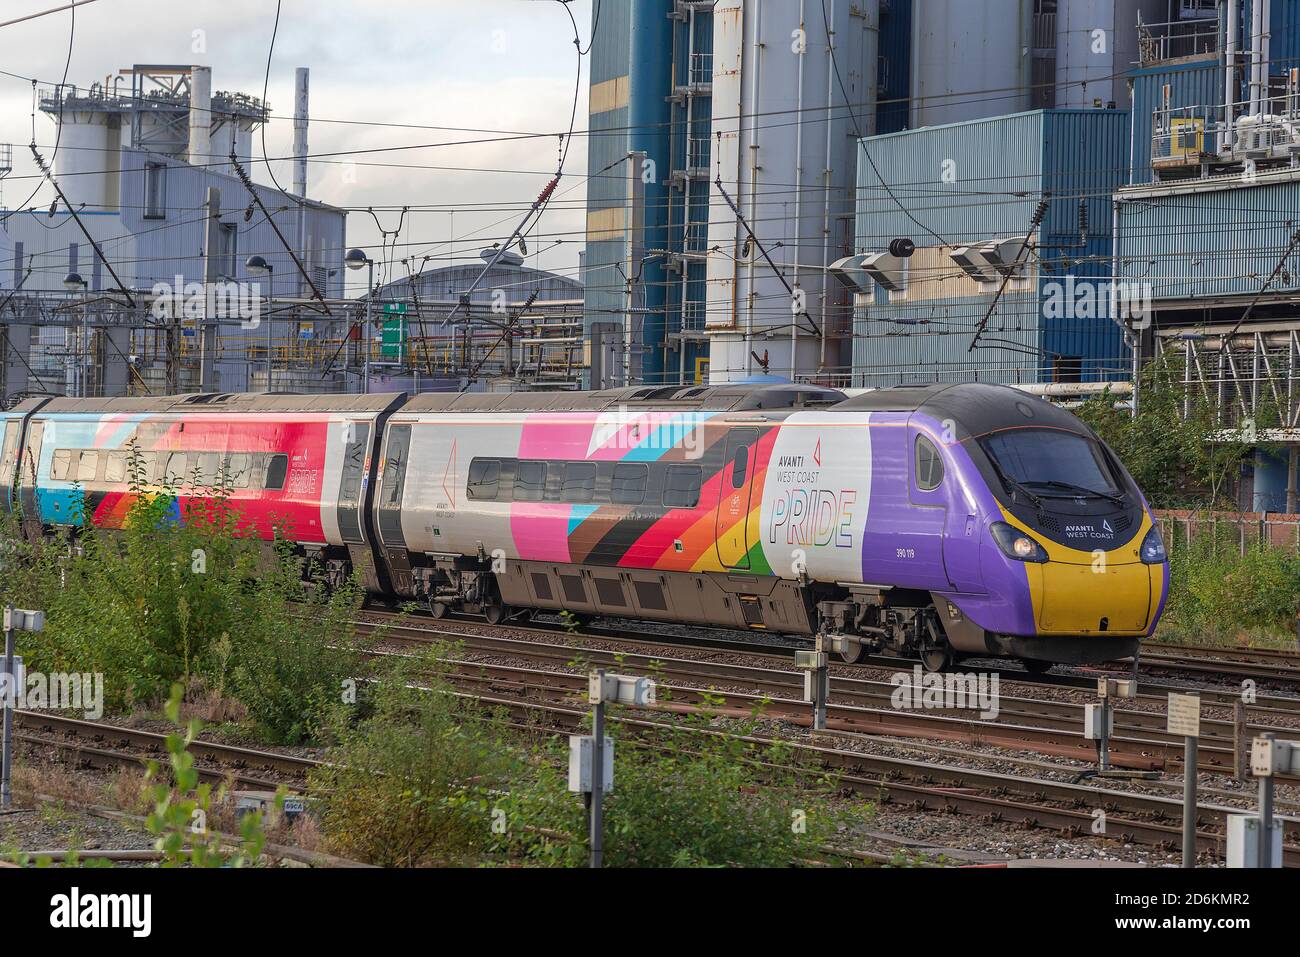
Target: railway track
x,y
1027,796
1080,678
863,705
99,745
1073,809
540,701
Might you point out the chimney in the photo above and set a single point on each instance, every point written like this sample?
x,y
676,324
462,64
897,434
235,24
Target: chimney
x,y
200,115
300,113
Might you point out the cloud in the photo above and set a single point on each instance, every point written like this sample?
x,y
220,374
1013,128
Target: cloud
x,y
485,64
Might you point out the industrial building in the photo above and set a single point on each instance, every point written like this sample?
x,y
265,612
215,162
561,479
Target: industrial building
x,y
965,195
719,257
145,174
519,329
1209,222
722,169
1065,246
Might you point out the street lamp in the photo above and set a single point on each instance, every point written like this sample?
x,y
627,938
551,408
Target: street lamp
x,y
355,259
258,266
75,284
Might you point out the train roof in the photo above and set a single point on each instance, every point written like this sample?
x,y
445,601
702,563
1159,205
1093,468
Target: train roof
x,y
719,398
978,407
218,402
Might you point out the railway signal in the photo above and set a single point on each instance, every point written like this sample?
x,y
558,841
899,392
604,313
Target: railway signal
x,y
591,757
16,619
816,681
1255,840
1099,718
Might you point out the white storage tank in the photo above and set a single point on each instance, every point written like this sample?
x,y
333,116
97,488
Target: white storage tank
x,y
971,60
223,142
1096,46
89,158
786,155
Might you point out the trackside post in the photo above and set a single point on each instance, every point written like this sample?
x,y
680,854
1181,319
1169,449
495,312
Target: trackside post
x,y
587,753
1184,717
15,620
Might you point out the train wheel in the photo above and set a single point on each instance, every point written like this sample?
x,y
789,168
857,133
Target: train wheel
x,y
852,652
936,658
437,609
495,614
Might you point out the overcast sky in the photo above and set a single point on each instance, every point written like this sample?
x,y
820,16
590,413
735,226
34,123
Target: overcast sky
x,y
507,65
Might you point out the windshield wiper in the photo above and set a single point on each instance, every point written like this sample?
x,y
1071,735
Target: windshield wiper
x,y
1013,486
1081,490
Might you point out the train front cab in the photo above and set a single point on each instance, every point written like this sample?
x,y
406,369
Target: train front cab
x,y
1082,569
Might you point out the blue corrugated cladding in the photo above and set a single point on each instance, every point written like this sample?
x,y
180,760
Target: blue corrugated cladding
x,y
958,180
914,343
1191,84
1074,306
1210,242
895,76
607,145
980,180
1284,45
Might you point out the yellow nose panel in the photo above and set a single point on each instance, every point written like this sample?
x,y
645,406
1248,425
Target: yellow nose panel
x,y
1075,590
1075,598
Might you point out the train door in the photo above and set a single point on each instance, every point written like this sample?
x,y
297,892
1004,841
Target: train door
x,y
28,457
392,483
352,487
923,552
9,463
736,485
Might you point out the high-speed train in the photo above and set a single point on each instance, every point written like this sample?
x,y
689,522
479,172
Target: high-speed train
x,y
942,522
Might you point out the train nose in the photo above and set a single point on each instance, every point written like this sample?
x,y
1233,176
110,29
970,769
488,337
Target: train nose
x,y
1098,597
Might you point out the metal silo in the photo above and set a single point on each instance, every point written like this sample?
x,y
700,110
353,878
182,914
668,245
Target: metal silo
x,y
971,60
785,119
1096,46
88,154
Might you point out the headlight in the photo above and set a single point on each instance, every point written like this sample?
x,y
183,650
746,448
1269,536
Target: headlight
x,y
1153,548
1015,544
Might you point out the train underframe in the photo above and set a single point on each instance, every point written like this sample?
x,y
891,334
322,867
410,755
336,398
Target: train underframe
x,y
855,621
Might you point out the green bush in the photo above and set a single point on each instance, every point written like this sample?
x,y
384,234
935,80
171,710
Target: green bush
x,y
1219,593
414,774
194,601
681,798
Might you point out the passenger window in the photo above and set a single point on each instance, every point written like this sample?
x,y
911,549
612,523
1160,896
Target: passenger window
x,y
579,482
682,489
142,467
628,485
929,465
61,465
238,470
276,470
484,479
739,467
88,466
175,473
115,469
530,481
210,469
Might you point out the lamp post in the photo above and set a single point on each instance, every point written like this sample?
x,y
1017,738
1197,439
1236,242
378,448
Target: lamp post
x,y
355,259
75,284
258,266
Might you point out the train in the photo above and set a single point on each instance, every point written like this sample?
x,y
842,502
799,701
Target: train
x,y
938,522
